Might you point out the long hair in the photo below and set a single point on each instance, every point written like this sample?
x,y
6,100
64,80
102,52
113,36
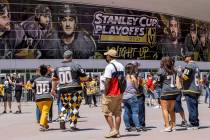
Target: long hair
x,y
167,63
129,69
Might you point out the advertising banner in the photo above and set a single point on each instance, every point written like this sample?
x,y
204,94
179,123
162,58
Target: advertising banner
x,y
44,30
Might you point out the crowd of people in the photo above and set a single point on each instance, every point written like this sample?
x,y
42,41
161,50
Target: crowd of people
x,y
118,85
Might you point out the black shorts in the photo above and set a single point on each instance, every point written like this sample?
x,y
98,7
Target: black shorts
x,y
7,97
18,95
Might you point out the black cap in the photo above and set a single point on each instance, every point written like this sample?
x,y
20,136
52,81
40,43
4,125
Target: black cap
x,y
189,54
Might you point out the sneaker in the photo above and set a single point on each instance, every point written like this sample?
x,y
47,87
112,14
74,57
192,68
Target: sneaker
x,y
184,124
17,112
111,134
74,129
128,129
44,128
156,107
143,129
117,136
4,112
168,129
173,129
138,129
192,127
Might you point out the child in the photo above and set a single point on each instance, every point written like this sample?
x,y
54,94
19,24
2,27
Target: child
x,y
42,86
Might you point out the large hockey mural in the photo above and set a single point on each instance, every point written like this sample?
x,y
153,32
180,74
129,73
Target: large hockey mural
x,y
44,30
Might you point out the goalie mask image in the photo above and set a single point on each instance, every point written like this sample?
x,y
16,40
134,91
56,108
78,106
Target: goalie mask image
x,y
73,38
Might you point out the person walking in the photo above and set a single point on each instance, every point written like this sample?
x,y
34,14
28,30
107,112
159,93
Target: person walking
x,y
166,77
67,78
191,89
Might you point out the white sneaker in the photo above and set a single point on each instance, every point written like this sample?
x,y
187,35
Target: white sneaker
x,y
173,129
156,107
168,129
192,128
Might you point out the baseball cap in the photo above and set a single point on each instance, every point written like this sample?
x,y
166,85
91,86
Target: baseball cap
x,y
135,63
67,54
111,52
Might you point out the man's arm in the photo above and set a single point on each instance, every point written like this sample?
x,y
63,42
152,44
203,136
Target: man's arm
x,y
55,80
107,84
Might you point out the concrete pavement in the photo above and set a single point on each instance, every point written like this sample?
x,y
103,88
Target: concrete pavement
x,y
92,126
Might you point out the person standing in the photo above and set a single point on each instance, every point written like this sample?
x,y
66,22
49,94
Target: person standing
x,y
18,92
8,86
191,89
70,89
112,99
178,105
130,100
91,89
42,86
166,77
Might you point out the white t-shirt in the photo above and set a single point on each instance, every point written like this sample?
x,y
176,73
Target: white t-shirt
x,y
111,69
102,83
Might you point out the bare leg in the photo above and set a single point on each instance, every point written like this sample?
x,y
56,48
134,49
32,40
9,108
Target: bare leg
x,y
10,105
172,113
118,122
5,106
110,122
164,106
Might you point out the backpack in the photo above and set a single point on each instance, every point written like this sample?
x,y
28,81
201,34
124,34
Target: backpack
x,y
121,80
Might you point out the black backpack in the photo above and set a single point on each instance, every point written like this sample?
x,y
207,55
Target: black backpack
x,y
121,80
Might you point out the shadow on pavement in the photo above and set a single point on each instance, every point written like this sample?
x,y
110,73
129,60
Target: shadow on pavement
x,y
129,135
204,127
83,129
53,129
148,128
22,113
82,121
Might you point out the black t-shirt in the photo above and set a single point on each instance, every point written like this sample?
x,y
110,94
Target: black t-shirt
x,y
18,81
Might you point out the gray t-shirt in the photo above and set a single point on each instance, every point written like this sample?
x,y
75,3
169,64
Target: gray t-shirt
x,y
191,85
167,82
69,75
42,87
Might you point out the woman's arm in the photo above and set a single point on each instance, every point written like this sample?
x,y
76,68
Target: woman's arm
x,y
135,81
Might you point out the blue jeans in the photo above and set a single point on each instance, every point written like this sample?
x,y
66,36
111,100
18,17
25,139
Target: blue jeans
x,y
38,114
206,89
141,101
131,107
158,92
192,105
59,104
